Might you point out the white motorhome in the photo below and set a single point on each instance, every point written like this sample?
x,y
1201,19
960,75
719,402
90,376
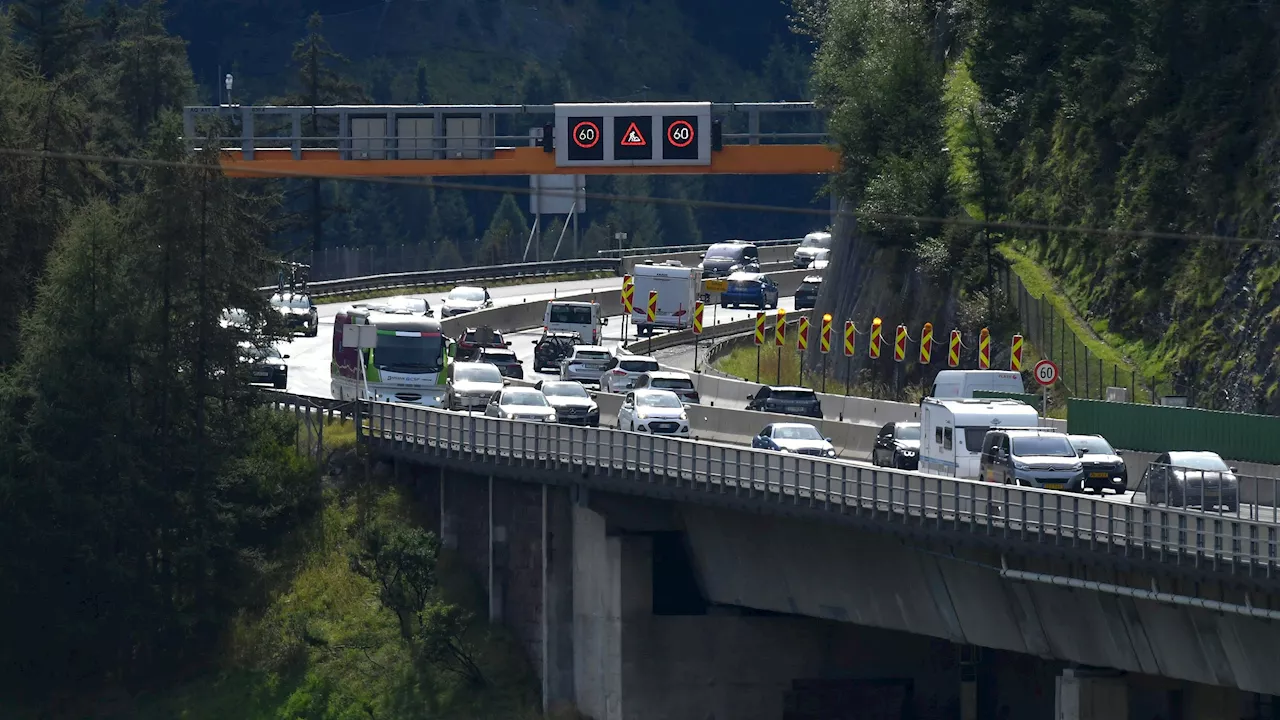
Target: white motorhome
x,y
962,383
677,287
951,431
580,317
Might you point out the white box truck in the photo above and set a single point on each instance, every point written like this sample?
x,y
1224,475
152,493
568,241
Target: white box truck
x,y
677,288
962,383
951,431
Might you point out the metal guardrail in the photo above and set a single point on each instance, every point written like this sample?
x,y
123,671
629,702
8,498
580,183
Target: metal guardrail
x,y
634,252
840,488
511,271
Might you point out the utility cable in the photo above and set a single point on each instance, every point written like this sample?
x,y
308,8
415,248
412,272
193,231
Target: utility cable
x,y
614,197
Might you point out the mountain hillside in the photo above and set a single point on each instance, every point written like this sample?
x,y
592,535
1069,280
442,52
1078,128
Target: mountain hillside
x,y
1138,128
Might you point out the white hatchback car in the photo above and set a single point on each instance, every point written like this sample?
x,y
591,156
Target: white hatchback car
x,y
654,411
586,364
623,376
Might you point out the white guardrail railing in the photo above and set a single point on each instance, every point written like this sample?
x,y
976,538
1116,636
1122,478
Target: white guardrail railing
x,y
841,487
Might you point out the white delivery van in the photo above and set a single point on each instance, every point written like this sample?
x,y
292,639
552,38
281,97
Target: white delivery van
x,y
951,431
962,383
677,288
580,317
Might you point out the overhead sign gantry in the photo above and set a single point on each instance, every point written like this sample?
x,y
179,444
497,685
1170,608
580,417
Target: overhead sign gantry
x,y
471,140
633,135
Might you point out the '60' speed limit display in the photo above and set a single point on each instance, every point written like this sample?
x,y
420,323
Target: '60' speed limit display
x,y
585,138
679,137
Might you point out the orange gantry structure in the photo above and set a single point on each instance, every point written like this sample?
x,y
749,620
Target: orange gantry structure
x,y
488,140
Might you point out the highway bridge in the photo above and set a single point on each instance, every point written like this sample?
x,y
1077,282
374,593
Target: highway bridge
x,y
1084,582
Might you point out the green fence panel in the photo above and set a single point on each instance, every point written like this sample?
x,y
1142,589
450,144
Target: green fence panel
x,y
1160,428
1032,399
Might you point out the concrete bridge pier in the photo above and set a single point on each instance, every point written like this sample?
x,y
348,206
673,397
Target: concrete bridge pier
x,y
1080,695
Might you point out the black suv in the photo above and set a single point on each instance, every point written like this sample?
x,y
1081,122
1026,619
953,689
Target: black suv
x,y
553,347
787,400
897,446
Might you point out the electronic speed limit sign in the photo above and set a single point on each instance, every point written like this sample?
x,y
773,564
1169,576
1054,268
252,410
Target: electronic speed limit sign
x,y
585,138
1046,372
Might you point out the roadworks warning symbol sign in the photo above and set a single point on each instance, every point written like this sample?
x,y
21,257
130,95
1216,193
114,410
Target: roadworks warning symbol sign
x,y
633,137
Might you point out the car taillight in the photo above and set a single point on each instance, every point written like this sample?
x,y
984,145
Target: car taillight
x,y
617,372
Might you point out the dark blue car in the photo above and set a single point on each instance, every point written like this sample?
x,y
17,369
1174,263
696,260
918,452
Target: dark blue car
x,y
753,289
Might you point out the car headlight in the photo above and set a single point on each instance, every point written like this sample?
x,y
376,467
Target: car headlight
x,y
593,410
907,451
1019,465
1078,467
281,367
684,416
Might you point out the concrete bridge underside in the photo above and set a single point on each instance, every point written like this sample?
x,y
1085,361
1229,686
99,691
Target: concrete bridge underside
x,y
837,573
633,607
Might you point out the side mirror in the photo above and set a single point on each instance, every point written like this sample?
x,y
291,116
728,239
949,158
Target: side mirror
x,y
506,381
604,321
827,439
507,343
286,357
702,256
1119,453
1232,469
592,395
751,397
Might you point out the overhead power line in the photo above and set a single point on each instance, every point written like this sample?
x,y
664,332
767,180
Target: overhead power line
x,y
1030,226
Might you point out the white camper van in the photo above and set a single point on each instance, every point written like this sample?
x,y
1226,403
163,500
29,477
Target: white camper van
x,y
962,383
580,317
951,431
677,288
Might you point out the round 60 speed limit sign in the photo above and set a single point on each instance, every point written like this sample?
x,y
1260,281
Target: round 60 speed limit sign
x,y
1046,372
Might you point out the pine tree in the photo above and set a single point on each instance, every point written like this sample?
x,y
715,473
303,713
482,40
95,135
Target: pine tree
x,y
638,219
508,232
318,82
422,91
56,30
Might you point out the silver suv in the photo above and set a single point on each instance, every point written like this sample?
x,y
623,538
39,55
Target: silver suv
x,y
1033,457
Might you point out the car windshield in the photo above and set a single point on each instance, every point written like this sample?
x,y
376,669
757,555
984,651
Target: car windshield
x,y
796,432
1092,446
407,305
592,355
477,373
1199,462
398,353
564,389
467,293
1042,446
792,395
257,354
484,335
530,398
297,302
506,357
638,366
908,432
672,383
723,252
808,286
658,400
747,283
816,241
571,314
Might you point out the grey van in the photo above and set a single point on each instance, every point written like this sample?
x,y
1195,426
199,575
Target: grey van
x,y
726,258
1032,457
